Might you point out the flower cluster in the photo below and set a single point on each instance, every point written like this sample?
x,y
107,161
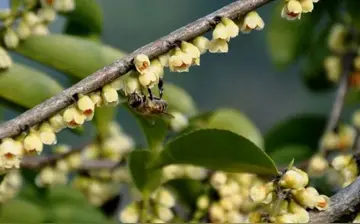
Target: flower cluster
x,y
161,201
347,167
287,199
184,171
233,203
294,8
10,185
27,20
342,140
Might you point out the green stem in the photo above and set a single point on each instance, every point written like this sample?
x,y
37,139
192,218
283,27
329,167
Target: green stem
x,y
145,208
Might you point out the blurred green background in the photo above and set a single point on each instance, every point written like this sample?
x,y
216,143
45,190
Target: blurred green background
x,y
244,78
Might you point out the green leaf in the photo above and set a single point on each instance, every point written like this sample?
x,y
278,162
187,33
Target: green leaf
x,y
288,40
352,7
77,29
155,129
21,211
62,213
282,156
15,4
313,71
301,129
88,14
75,56
63,194
218,150
102,119
187,191
146,180
26,86
233,120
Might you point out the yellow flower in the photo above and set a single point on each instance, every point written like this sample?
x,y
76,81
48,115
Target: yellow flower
x,y
218,46
141,62
201,43
251,21
180,61
292,10
33,143
307,5
86,106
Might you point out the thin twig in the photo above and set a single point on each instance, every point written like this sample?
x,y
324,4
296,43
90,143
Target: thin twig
x,y
120,67
342,203
338,104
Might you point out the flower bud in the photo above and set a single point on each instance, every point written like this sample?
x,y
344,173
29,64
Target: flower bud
x,y
148,79
141,63
217,213
47,14
218,46
33,143
237,200
202,202
131,83
306,197
96,98
64,5
47,134
172,172
164,58
235,217
337,38
40,30
255,217
165,198
226,204
292,10
180,61
231,28
179,122
118,83
57,123
307,5
201,43
5,59
220,32
322,202
356,119
164,213
121,175
190,49
252,21
110,95
287,218
130,214
73,117
332,66
74,160
30,18
317,165
23,30
46,177
330,141
218,179
294,179
341,161
259,192
62,165
350,171
11,152
11,40
86,106
60,149
299,211
195,172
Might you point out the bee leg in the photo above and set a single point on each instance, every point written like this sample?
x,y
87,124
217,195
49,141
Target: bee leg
x,y
161,87
150,94
144,99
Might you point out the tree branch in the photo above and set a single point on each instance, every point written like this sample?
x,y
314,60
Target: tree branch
x,y
120,67
342,203
338,104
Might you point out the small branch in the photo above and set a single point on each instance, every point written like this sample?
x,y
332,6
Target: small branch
x,y
120,67
347,65
342,203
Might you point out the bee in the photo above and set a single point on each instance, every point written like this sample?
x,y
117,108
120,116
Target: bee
x,y
154,107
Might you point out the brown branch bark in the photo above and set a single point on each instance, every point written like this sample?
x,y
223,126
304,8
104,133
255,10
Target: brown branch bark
x,y
109,73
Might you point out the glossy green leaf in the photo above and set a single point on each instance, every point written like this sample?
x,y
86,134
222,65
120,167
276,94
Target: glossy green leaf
x,y
62,213
26,86
187,191
21,211
146,180
63,194
313,71
75,56
288,40
282,156
88,14
198,121
77,29
302,129
179,100
233,120
102,119
218,150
